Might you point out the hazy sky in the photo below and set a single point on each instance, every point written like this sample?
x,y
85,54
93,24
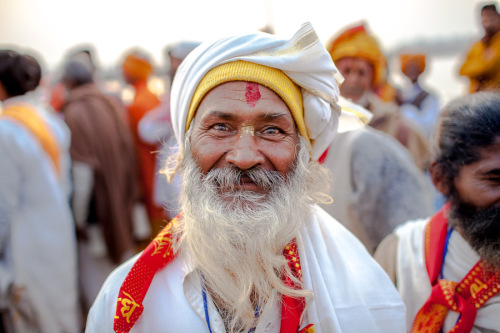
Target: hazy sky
x,y
51,27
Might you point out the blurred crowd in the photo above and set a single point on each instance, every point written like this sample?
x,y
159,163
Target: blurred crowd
x,y
81,158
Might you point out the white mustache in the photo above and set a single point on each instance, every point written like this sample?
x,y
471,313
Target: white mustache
x,y
230,177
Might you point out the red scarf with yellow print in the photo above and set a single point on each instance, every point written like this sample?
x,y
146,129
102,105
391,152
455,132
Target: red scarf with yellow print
x,y
465,297
159,253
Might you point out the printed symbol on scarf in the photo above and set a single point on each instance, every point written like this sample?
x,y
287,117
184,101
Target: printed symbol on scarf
x,y
160,243
476,287
128,307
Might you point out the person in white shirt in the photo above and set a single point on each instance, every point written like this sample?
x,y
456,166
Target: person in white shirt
x,y
417,104
38,268
251,250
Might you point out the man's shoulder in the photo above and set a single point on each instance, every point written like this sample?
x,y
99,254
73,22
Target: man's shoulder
x,y
15,138
379,106
115,279
347,262
101,314
337,238
413,227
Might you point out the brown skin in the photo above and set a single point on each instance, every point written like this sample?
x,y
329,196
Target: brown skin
x,y
231,130
412,72
3,93
128,79
358,74
490,20
478,183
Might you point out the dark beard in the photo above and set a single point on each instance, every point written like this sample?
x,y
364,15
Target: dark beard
x,y
480,227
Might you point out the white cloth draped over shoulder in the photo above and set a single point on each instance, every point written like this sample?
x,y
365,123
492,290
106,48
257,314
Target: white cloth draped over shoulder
x,y
303,59
351,292
413,281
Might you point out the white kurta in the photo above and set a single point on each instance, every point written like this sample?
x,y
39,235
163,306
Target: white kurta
x,y
413,280
351,292
37,238
425,117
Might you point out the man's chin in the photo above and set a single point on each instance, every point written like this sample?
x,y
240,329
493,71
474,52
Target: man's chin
x,y
481,228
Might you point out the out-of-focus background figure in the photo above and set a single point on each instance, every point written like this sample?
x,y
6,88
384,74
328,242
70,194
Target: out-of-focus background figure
x,y
136,69
375,185
38,262
482,64
105,185
359,58
155,128
417,104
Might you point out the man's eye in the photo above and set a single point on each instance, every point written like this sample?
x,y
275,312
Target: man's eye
x,y
495,179
272,130
220,127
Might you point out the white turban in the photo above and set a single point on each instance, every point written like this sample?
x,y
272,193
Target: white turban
x,y
303,59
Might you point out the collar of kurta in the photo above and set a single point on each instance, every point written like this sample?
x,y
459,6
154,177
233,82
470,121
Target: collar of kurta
x,y
159,253
465,297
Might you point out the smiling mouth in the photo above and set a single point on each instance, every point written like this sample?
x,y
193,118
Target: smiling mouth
x,y
247,184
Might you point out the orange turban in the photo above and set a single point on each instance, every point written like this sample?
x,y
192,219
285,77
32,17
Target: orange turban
x,y
356,42
137,67
418,59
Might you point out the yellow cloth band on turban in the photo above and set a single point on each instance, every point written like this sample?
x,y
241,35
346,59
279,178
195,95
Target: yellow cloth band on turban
x,y
272,78
356,42
137,67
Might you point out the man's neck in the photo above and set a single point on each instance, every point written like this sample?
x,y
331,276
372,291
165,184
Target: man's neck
x,y
364,100
489,36
224,310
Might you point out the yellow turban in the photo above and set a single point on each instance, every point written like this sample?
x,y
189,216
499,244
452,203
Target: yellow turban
x,y
418,59
137,67
356,42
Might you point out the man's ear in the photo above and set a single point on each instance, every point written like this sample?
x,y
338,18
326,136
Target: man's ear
x,y
438,178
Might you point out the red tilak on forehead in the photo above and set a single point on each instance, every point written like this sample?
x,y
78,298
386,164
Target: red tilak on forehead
x,y
253,94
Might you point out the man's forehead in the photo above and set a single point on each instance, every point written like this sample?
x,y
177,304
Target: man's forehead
x,y
226,100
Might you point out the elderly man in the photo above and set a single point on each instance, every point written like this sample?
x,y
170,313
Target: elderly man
x,y
359,59
250,250
482,64
447,268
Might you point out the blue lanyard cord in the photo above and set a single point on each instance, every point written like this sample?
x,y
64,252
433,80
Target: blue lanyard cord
x,y
445,252
205,306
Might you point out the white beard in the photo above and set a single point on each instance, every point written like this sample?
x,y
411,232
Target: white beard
x,y
236,239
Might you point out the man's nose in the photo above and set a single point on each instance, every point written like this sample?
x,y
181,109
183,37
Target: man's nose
x,y
245,154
